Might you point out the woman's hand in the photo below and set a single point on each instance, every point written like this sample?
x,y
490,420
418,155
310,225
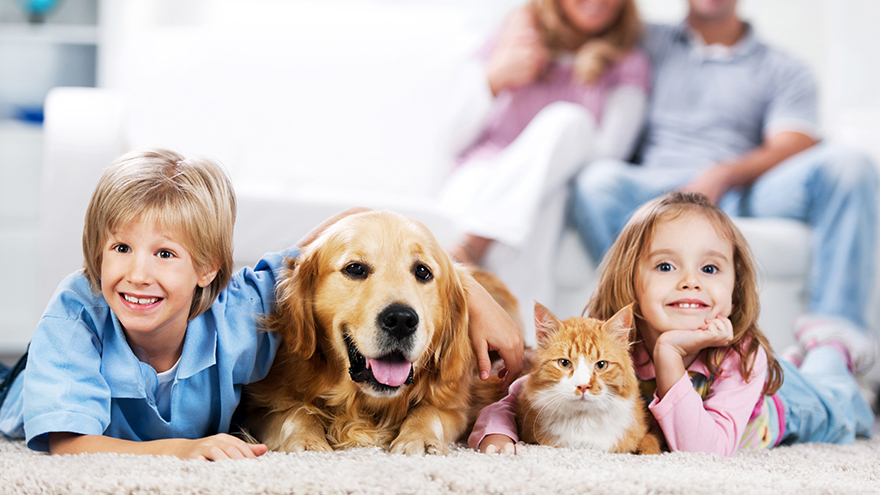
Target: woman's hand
x,y
519,56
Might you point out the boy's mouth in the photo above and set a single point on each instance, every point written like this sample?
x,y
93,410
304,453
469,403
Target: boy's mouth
x,y
141,301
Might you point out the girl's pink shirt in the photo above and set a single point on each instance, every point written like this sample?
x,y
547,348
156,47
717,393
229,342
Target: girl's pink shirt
x,y
689,423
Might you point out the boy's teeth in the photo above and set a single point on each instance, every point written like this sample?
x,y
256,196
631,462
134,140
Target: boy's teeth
x,y
688,305
135,300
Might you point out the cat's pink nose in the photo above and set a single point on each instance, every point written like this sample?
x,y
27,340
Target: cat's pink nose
x,y
582,389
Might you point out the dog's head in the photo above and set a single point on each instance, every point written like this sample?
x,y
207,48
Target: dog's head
x,y
377,294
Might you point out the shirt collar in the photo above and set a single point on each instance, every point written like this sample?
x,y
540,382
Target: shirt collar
x,y
716,51
124,372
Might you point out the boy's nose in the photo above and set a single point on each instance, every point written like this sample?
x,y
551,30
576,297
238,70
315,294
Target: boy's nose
x,y
139,271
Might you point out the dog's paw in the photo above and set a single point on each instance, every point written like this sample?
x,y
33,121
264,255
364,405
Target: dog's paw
x,y
419,447
306,444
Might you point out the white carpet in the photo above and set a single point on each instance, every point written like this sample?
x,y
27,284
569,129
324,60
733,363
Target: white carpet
x,y
802,469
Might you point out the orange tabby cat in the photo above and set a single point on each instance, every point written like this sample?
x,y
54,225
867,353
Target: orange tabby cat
x,y
582,391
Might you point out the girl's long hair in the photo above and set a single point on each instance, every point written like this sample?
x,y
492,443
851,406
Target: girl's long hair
x,y
616,286
593,54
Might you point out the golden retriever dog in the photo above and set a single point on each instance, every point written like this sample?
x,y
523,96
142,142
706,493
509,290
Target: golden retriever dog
x,y
375,348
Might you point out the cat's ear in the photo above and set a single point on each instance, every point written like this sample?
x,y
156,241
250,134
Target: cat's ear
x,y
621,324
546,323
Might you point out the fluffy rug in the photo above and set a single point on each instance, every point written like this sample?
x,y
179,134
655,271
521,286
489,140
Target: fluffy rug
x,y
802,469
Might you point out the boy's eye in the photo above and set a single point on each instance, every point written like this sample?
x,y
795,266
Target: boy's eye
x,y
165,254
121,248
565,363
710,269
664,267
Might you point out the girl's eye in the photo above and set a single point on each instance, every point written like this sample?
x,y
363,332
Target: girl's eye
x,y
121,248
664,267
423,273
601,365
565,363
710,269
355,270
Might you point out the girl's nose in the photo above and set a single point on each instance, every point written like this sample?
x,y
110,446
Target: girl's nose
x,y
689,280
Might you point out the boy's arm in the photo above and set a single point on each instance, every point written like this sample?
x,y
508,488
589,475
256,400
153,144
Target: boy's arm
x,y
213,448
491,329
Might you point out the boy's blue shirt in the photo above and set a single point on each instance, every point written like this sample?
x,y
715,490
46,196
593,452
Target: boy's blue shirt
x,y
83,377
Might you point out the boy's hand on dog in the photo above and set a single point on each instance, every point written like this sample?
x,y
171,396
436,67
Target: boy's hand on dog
x,y
491,329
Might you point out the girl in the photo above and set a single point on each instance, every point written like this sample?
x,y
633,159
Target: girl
x,y
707,371
561,84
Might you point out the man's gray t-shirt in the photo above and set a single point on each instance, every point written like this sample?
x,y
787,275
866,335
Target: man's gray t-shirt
x,y
710,105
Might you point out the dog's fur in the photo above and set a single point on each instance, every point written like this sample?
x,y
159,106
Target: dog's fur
x,y
374,288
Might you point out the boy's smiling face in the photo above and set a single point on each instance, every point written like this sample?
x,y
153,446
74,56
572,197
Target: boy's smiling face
x,y
148,278
685,276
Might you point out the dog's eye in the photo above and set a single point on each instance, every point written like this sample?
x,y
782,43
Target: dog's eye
x,y
423,273
355,270
565,363
601,365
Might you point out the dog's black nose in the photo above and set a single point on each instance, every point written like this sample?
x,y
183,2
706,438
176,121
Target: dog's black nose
x,y
398,320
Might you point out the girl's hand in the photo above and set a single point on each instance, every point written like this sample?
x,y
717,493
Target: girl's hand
x,y
675,350
519,56
497,444
218,447
717,332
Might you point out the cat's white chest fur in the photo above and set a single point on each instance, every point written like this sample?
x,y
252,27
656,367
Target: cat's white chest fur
x,y
595,422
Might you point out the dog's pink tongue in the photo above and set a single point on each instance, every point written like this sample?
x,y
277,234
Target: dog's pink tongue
x,y
391,373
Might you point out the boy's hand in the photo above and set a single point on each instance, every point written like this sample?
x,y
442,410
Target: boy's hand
x,y
497,444
491,329
219,447
213,448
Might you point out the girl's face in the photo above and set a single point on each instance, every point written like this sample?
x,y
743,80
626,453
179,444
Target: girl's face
x,y
686,276
148,278
591,16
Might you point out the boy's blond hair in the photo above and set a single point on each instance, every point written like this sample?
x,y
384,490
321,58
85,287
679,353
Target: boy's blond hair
x,y
191,197
616,287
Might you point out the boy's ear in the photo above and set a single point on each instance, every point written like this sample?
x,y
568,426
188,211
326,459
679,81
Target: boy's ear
x,y
208,276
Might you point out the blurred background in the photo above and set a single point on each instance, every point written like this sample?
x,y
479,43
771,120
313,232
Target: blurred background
x,y
309,98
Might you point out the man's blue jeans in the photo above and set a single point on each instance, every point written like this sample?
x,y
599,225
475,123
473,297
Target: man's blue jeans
x,y
832,189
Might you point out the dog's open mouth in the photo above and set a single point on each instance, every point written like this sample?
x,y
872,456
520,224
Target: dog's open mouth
x,y
389,371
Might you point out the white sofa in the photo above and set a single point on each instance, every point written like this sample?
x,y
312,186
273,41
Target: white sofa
x,y
309,121
86,128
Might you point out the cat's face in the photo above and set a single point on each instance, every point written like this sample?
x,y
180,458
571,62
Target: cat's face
x,y
582,362
685,277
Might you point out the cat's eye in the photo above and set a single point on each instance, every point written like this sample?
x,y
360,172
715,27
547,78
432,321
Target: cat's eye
x,y
565,363
601,365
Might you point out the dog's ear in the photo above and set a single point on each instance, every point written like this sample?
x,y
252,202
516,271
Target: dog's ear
x,y
454,349
293,316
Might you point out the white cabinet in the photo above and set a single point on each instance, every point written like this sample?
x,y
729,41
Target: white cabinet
x,y
62,51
